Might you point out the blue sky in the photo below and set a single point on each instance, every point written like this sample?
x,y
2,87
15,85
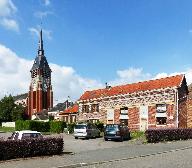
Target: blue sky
x,y
98,41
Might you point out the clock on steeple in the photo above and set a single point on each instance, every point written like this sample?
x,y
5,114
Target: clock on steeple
x,y
40,95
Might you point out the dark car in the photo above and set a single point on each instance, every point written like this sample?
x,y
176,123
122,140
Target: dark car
x,y
116,132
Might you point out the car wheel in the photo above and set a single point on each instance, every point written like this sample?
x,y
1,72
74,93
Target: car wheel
x,y
106,139
76,137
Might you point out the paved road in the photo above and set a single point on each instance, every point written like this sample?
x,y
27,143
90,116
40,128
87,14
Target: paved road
x,y
97,150
176,159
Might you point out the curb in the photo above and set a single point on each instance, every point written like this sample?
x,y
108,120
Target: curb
x,y
116,160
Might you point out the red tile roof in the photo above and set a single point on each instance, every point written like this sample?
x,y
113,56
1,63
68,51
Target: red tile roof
x,y
73,109
173,81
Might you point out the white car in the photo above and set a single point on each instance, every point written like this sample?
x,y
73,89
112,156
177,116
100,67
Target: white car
x,y
25,134
86,130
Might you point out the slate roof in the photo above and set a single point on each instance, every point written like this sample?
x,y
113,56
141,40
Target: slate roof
x,y
20,97
41,63
173,81
61,106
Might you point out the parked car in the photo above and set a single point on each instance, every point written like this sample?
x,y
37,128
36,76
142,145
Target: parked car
x,y
116,132
86,130
25,134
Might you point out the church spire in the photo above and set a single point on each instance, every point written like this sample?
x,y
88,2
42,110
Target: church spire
x,y
40,50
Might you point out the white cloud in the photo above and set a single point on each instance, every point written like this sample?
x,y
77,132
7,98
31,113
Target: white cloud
x,y
46,2
41,14
7,8
15,77
35,31
10,24
7,11
187,73
129,76
133,75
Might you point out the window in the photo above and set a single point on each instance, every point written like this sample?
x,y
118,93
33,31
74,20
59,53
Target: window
x,y
124,110
85,108
95,108
161,116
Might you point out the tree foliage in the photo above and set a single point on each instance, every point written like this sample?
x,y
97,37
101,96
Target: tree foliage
x,y
9,111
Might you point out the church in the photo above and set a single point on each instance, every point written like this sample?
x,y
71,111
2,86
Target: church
x,y
40,95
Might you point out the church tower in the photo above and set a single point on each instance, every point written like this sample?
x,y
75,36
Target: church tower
x,y
40,96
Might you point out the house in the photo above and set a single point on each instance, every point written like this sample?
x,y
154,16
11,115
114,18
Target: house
x,y
21,99
69,115
59,108
149,104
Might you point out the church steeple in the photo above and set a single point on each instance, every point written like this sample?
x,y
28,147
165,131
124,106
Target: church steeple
x,y
40,49
40,90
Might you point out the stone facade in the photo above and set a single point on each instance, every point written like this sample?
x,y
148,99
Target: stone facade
x,y
150,104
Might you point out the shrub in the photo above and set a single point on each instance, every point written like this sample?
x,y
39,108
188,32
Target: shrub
x,y
32,125
30,147
100,126
137,134
22,125
70,127
57,126
157,135
39,126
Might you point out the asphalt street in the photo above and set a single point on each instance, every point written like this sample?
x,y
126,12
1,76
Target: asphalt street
x,y
99,153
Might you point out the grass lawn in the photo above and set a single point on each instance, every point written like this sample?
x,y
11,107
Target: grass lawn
x,y
7,129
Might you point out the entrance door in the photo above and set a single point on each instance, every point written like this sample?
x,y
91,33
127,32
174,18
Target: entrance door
x,y
143,118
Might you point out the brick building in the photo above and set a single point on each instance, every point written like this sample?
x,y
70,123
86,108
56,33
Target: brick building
x,y
154,103
40,96
69,115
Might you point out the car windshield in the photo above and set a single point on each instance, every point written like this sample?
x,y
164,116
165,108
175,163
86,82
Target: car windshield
x,y
80,127
112,127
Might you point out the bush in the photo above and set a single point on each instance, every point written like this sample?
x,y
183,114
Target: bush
x,y
22,125
57,126
30,147
100,126
32,125
157,135
137,134
70,127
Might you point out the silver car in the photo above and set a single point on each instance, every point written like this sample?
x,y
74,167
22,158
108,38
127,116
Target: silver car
x,y
86,130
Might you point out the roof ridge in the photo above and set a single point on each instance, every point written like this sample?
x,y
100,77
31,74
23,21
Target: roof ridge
x,y
163,82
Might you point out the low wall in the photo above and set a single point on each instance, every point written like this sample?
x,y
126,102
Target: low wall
x,y
8,124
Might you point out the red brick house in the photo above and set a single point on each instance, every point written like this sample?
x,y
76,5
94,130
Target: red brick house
x,y
154,103
69,114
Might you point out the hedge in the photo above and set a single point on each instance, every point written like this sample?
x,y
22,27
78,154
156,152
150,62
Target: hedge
x,y
12,149
70,127
51,126
32,125
157,135
57,126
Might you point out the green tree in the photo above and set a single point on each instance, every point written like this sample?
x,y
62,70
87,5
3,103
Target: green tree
x,y
6,107
9,111
18,112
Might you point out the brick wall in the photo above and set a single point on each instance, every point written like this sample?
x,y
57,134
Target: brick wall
x,y
182,114
134,120
151,116
189,113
